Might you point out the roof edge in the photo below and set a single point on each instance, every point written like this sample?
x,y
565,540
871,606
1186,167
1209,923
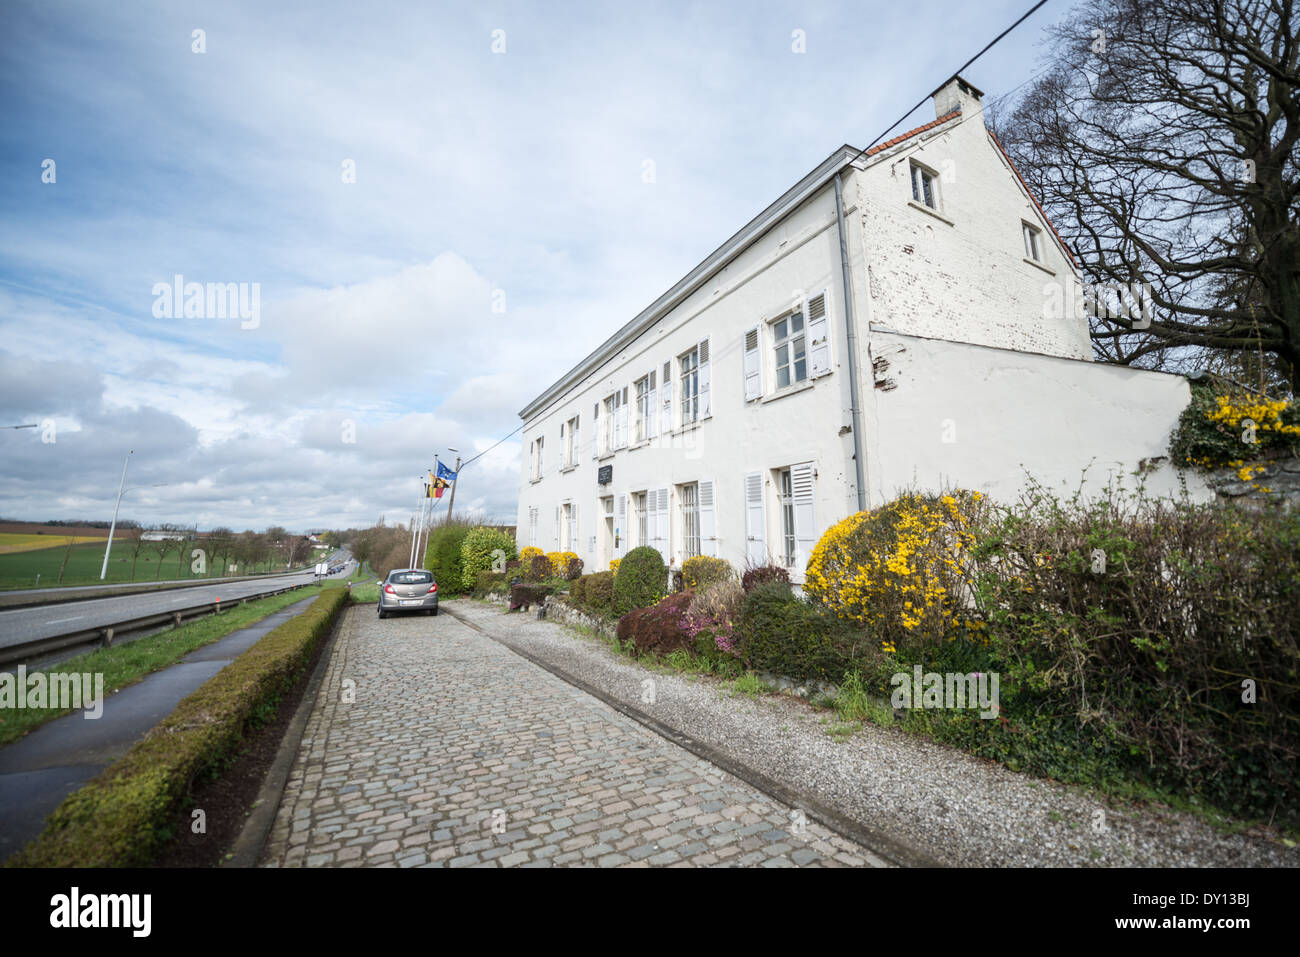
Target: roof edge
x,y
737,243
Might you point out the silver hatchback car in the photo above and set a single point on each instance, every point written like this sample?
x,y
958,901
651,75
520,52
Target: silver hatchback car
x,y
408,589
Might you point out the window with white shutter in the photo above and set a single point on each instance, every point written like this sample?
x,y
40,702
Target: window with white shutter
x,y
620,528
805,518
819,343
706,378
658,518
620,424
573,528
595,431
708,520
755,520
688,497
753,366
532,526
666,419
558,519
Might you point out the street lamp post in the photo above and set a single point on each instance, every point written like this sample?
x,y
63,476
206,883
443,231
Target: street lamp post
x,y
452,501
121,487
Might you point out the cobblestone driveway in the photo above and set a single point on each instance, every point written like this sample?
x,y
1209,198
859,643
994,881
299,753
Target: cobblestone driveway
x,y
430,744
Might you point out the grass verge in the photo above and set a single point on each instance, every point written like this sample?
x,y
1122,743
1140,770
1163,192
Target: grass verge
x,y
124,815
126,664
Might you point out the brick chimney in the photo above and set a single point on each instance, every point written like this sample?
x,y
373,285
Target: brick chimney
x,y
957,93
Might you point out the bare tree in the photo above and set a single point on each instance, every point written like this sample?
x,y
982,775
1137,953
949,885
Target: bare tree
x,y
1162,142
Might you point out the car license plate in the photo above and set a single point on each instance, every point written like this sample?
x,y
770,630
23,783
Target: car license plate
x,y
412,601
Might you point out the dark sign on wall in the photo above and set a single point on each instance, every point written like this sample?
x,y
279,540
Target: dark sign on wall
x,y
605,475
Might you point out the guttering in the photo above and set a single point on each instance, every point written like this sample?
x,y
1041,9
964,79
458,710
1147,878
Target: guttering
x,y
855,407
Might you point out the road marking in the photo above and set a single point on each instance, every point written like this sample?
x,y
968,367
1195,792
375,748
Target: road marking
x,y
59,621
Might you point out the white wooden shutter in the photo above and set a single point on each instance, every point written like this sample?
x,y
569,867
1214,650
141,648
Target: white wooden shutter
x,y
666,420
595,431
658,521
819,345
577,442
805,518
708,520
620,527
705,377
573,528
532,526
651,409
559,518
753,366
620,419
755,520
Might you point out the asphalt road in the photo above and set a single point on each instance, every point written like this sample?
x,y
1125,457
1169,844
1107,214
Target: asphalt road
x,y
44,621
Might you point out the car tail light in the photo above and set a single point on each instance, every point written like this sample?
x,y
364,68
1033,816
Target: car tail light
x,y
389,590
433,589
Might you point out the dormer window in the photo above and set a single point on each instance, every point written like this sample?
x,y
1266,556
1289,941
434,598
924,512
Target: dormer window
x,y
924,186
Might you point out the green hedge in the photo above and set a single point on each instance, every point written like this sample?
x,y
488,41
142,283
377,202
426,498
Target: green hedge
x,y
443,557
477,551
122,818
640,580
782,633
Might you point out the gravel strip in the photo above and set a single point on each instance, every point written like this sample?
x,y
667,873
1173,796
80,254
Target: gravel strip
x,y
958,809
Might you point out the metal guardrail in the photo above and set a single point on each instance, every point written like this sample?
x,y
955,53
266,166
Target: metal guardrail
x,y
104,635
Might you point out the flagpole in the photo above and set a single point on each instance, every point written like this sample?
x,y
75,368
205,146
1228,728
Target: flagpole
x,y
419,508
428,521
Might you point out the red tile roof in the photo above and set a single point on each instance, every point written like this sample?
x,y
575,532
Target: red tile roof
x,y
910,133
1033,199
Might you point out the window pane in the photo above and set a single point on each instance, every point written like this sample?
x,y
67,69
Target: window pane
x,y
783,376
800,370
796,322
780,330
927,182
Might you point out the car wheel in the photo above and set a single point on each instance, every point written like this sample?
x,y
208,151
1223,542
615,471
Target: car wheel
x,y
434,613
382,613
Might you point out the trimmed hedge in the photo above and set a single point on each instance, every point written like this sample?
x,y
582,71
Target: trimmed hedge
x,y
598,592
490,583
639,582
780,632
660,629
477,553
122,818
442,557
522,596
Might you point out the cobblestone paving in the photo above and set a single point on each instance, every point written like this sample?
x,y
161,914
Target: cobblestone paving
x,y
432,745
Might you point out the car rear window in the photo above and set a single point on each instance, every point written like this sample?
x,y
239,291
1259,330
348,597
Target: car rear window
x,y
411,578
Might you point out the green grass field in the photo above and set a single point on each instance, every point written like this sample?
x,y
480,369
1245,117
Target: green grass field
x,y
19,569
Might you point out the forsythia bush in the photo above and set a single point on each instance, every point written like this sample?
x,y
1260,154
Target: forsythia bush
x,y
564,564
1227,428
899,569
613,564
528,551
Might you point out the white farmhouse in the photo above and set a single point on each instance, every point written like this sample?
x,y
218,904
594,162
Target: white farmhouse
x,y
880,327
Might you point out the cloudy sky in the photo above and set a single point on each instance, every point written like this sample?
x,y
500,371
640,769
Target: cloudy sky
x,y
499,225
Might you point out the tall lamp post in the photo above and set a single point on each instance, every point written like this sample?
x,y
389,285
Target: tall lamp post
x,y
453,483
121,487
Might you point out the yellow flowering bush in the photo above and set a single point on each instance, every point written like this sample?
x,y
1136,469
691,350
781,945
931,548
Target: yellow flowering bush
x,y
1221,429
901,568
613,564
527,553
563,564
